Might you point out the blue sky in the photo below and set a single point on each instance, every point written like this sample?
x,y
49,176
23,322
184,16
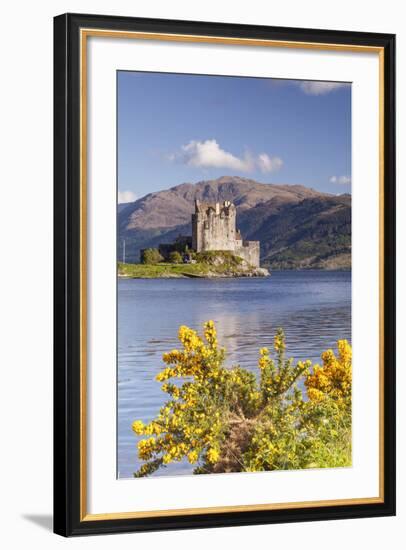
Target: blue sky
x,y
187,128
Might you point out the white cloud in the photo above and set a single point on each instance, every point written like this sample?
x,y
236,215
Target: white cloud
x,y
268,164
126,196
341,180
314,87
209,154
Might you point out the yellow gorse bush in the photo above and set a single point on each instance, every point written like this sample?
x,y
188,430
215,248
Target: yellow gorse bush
x,y
333,379
229,419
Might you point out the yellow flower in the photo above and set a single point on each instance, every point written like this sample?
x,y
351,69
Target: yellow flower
x,y
344,351
212,455
192,457
146,447
279,343
334,377
138,427
164,375
263,362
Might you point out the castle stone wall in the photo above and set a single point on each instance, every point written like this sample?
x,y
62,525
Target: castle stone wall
x,y
249,251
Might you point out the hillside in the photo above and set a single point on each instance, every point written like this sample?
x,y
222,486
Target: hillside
x,y
315,232
298,227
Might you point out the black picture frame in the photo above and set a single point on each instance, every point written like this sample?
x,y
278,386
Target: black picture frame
x,y
67,266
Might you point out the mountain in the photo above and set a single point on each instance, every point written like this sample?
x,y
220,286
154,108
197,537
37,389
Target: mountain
x,y
122,205
298,227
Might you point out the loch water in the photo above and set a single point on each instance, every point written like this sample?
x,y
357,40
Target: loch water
x,y
313,308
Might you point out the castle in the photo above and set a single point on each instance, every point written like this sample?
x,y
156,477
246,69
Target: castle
x,y
214,228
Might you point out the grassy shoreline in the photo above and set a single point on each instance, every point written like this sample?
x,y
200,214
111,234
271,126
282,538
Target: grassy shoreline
x,y
143,271
177,271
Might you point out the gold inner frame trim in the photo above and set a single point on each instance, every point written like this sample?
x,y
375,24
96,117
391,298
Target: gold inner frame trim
x,y
172,37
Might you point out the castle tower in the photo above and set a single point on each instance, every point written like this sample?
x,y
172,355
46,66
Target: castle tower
x,y
214,228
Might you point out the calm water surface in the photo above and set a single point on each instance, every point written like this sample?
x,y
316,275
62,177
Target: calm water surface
x,y
313,308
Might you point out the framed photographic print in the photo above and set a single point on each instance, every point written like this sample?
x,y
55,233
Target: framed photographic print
x,y
224,274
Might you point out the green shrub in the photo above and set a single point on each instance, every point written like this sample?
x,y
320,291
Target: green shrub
x,y
213,257
151,256
175,257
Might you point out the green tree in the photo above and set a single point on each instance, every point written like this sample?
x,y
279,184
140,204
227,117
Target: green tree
x,y
175,257
151,256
